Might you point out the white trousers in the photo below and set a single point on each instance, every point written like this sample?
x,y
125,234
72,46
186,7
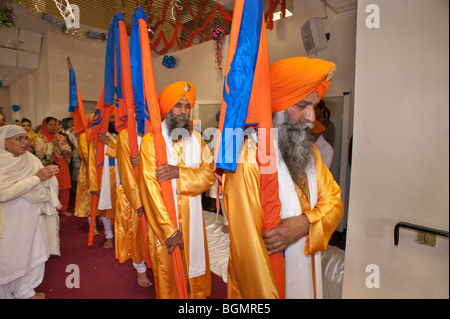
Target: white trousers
x,y
23,287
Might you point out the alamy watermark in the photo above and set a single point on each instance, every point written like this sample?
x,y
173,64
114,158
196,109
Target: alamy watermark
x,y
73,280
373,19
373,279
72,16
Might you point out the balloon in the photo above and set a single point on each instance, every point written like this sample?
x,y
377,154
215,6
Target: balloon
x,y
169,61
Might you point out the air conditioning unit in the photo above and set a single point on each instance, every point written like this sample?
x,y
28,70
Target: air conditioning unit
x,y
313,36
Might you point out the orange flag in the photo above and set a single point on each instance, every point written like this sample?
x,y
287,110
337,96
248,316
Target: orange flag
x,y
126,113
80,123
153,122
247,102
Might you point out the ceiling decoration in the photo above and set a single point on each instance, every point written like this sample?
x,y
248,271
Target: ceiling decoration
x,y
173,24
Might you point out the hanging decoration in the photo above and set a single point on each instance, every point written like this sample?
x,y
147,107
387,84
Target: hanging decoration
x,y
169,61
168,29
175,3
217,35
15,108
1,84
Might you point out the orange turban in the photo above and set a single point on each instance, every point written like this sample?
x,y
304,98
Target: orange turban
x,y
112,110
293,79
90,119
318,128
173,93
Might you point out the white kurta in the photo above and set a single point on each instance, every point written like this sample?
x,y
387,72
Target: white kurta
x,y
325,149
24,245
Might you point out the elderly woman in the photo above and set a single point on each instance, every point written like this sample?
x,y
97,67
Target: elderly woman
x,y
51,147
28,216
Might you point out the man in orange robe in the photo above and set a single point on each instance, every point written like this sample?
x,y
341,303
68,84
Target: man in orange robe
x,y
311,207
127,224
190,170
106,189
83,197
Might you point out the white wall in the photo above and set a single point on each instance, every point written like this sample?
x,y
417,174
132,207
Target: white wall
x,y
400,168
45,92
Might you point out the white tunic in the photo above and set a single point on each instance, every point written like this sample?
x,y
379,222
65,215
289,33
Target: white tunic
x,y
24,245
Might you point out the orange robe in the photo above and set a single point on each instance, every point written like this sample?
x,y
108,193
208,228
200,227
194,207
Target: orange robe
x,y
127,223
249,270
83,197
93,183
192,182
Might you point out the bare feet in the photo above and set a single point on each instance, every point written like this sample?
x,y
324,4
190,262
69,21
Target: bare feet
x,y
143,280
39,295
108,243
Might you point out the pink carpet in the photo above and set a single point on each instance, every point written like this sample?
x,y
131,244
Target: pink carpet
x,y
101,275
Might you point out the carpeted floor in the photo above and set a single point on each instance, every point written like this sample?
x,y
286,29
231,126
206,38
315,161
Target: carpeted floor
x,y
101,276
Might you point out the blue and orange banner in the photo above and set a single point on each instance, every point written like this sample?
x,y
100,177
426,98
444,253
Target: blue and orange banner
x,y
152,118
76,107
247,102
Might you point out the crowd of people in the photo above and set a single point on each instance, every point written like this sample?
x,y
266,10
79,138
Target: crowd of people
x,y
136,216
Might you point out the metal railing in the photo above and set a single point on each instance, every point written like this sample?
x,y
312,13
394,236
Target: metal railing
x,y
417,227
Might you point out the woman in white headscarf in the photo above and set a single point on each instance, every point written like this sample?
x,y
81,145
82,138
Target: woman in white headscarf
x,y
28,216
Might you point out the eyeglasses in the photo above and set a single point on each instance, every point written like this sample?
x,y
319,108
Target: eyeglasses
x,y
20,139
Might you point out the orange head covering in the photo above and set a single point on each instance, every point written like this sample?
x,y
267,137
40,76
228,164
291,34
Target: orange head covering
x,y
173,93
318,128
112,110
90,119
293,79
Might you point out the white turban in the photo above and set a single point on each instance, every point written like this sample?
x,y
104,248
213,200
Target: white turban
x,y
8,131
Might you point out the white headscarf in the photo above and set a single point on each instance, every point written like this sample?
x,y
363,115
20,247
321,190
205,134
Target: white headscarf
x,y
16,168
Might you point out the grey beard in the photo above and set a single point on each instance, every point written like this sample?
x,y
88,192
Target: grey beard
x,y
179,125
295,142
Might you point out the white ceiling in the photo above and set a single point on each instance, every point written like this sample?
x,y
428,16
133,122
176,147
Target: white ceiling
x,y
20,46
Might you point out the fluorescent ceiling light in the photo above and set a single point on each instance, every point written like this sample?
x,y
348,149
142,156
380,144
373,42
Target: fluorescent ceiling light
x,y
277,15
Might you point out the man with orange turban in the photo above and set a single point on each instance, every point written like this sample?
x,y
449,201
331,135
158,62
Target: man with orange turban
x,y
311,207
106,190
190,170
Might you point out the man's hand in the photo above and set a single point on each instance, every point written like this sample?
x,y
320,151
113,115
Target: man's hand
x,y
47,172
289,231
95,193
134,160
174,241
167,172
102,137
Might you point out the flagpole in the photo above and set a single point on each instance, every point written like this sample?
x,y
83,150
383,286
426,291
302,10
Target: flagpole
x,y
131,121
160,151
94,198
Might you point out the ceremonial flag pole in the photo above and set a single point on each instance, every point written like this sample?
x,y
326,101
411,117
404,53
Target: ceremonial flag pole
x,y
76,107
98,125
153,123
247,101
126,114
80,125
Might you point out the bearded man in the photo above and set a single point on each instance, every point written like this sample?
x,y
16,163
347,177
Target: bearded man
x,y
311,207
190,170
